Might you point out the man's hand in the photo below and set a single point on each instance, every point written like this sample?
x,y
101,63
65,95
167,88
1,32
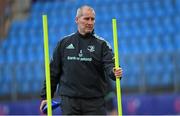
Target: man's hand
x,y
43,102
118,72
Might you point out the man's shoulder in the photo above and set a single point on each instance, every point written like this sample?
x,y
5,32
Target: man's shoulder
x,y
101,40
67,38
62,41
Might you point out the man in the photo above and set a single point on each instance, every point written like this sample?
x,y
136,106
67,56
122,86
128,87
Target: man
x,y
79,64
109,99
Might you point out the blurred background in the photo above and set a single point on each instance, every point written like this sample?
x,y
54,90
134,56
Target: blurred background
x,y
149,50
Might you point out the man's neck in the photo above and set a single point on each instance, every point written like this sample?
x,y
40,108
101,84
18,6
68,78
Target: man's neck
x,y
82,33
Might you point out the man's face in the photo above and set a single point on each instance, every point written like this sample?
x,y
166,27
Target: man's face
x,y
86,21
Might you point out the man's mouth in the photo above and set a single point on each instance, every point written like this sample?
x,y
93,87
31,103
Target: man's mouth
x,y
90,28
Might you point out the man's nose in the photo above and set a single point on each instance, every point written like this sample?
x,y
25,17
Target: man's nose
x,y
90,22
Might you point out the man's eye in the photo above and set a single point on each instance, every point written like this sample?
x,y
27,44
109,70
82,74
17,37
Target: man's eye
x,y
92,19
89,19
86,18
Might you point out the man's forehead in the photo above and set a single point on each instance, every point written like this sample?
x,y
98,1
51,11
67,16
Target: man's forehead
x,y
88,15
88,12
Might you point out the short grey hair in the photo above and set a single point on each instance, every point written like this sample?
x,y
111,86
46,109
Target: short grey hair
x,y
79,10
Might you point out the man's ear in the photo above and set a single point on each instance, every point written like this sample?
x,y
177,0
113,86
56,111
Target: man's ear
x,y
76,20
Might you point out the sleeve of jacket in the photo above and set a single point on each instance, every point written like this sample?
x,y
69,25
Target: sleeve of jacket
x,y
55,71
108,60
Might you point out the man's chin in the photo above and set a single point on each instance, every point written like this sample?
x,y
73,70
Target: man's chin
x,y
89,31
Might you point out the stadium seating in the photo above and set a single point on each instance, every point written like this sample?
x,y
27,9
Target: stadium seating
x,y
147,29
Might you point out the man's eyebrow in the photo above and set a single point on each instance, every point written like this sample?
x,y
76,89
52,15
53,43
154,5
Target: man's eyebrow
x,y
92,18
89,17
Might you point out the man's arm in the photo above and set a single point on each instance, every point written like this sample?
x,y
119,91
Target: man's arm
x,y
55,71
108,62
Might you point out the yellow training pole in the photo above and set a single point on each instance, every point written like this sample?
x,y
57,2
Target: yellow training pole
x,y
46,57
118,86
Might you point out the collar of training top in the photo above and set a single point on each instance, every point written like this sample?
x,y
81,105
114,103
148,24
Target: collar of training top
x,y
86,35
